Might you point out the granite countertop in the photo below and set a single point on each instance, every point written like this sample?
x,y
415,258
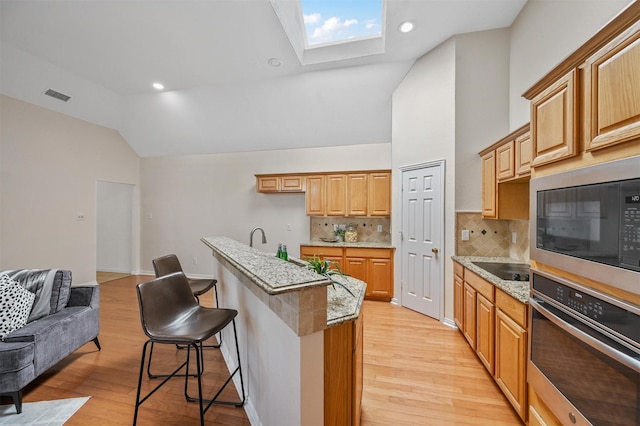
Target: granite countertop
x,y
519,290
342,306
359,244
271,274
276,276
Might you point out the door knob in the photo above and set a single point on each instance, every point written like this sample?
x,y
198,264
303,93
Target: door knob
x,y
435,250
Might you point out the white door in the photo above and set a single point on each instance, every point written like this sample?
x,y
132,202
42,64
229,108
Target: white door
x,y
421,244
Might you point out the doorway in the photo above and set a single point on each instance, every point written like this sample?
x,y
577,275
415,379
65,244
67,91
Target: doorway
x,y
422,286
114,233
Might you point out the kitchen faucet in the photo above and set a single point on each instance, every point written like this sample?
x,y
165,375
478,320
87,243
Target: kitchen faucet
x,y
264,238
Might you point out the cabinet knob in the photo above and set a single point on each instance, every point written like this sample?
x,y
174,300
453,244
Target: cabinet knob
x,y
435,250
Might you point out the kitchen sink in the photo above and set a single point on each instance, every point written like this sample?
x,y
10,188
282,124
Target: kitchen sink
x,y
506,271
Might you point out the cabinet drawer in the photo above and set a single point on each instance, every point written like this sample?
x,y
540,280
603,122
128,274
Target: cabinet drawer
x,y
458,270
481,285
310,251
368,253
512,307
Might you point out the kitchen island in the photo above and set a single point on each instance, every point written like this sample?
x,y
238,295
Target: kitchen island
x,y
299,334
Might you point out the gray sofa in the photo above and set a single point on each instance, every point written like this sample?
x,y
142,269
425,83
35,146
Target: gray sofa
x,y
71,320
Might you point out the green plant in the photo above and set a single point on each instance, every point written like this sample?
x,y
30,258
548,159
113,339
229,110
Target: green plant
x,y
323,267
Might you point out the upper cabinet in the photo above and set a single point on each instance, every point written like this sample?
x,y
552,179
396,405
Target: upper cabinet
x,y
505,176
315,195
362,193
612,92
280,183
379,194
586,110
553,121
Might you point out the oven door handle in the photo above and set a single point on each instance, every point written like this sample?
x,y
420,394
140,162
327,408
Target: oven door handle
x,y
586,339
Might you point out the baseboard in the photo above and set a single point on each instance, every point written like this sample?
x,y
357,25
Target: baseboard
x,y
450,323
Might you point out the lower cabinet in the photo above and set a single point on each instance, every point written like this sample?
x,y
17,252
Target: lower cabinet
x,y
511,361
494,325
539,413
334,254
343,373
371,265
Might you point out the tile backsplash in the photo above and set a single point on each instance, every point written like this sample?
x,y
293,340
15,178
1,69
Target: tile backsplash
x,y
322,227
492,237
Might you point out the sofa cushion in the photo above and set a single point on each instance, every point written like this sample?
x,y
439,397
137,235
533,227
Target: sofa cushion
x,y
15,305
51,287
61,290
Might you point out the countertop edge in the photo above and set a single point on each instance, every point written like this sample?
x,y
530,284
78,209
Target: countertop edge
x,y
519,290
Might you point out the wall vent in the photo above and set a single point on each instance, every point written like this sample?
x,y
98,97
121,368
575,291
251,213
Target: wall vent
x,y
60,96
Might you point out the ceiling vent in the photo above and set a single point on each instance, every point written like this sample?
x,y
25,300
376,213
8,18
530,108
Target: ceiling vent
x,y
60,96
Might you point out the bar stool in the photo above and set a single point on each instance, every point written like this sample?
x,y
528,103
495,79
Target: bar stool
x,y
170,314
169,264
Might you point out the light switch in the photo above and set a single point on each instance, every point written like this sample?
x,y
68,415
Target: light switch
x,y
379,229
465,235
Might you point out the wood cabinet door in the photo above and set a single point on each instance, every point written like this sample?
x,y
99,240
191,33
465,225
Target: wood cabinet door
x,y
358,367
379,279
268,184
357,188
485,331
489,192
334,254
292,183
336,195
315,195
511,361
505,161
469,317
554,120
524,151
379,194
458,301
612,92
357,268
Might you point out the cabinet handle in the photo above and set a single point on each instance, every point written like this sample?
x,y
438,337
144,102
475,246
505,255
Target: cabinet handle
x,y
435,250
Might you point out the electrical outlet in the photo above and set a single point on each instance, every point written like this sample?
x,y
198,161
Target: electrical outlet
x,y
79,216
465,235
379,228
514,237
195,260
289,228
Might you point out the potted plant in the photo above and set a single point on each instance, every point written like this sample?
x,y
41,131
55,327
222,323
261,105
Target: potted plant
x,y
323,267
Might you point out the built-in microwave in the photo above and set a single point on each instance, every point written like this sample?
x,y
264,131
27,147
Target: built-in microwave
x,y
587,222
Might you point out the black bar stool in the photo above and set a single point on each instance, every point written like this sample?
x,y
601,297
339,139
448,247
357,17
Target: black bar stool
x,y
170,314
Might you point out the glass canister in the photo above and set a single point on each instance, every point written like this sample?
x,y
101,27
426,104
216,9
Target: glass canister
x,y
351,233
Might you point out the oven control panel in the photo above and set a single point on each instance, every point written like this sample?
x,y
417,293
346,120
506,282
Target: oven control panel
x,y
630,224
610,316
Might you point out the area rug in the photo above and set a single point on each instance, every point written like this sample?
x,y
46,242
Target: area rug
x,y
44,413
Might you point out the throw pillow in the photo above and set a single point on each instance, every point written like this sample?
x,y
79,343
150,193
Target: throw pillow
x,y
15,305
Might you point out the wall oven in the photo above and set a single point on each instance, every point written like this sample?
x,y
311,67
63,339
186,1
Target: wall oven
x,y
584,353
587,222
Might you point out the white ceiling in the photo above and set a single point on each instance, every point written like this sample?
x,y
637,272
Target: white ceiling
x,y
212,56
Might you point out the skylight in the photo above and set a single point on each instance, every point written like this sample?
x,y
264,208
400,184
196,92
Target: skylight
x,y
334,21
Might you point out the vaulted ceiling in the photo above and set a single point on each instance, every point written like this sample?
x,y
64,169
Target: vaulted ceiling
x,y
221,93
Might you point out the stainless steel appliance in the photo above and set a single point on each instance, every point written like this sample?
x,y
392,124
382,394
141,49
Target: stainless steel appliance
x,y
584,353
587,221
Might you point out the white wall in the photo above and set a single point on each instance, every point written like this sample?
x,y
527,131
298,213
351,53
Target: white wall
x,y
50,165
482,113
114,227
423,130
452,104
544,33
186,198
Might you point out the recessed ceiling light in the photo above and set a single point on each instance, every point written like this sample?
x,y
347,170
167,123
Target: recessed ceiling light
x,y
158,86
406,27
275,62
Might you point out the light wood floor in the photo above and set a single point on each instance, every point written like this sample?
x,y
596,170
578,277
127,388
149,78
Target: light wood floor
x,y
103,277
417,371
